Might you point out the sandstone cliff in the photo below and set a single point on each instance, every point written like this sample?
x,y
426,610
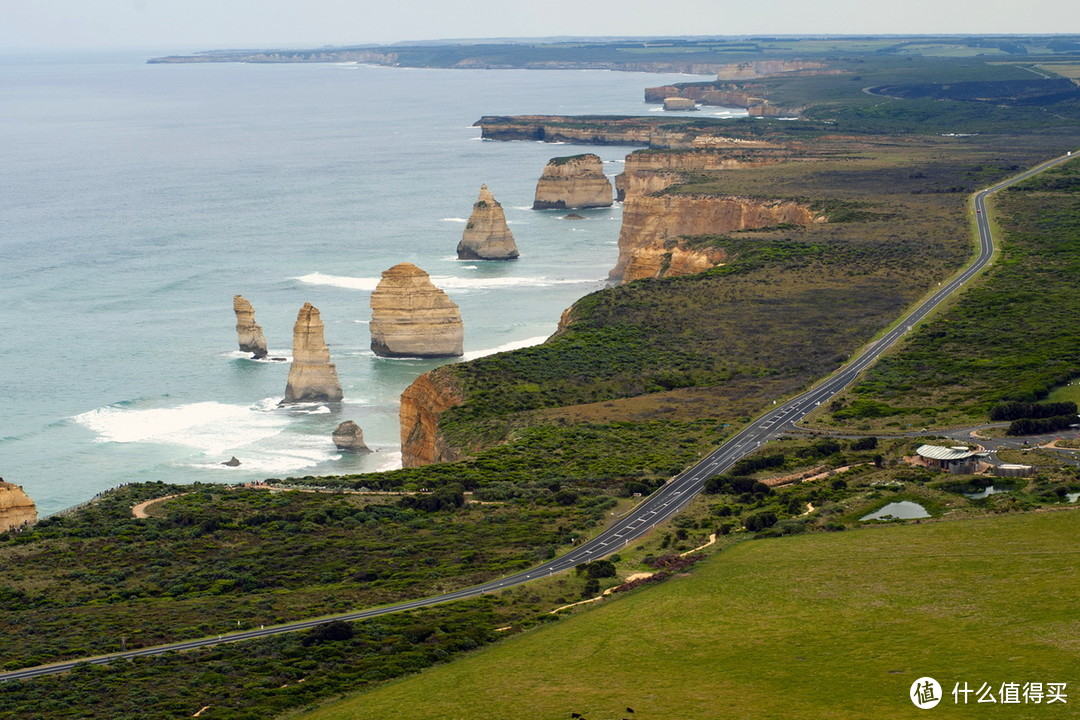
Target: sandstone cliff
x,y
577,181
669,133
765,68
487,236
349,437
410,317
16,507
312,377
648,240
429,396
645,172
248,332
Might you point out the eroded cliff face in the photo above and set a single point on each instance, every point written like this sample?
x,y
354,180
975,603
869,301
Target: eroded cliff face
x,y
765,68
422,403
410,317
646,173
608,131
648,241
312,377
16,507
248,332
573,183
486,235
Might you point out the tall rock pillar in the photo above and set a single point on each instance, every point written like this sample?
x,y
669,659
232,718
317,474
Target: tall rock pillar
x,y
487,236
248,332
312,377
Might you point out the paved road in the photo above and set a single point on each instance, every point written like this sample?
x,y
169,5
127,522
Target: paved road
x,y
659,506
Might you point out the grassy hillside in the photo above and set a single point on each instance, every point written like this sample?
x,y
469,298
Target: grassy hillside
x,y
823,626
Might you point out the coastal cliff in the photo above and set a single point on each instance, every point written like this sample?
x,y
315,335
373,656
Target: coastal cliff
x,y
646,173
312,377
422,403
742,95
410,317
16,507
672,133
486,235
573,182
649,244
248,332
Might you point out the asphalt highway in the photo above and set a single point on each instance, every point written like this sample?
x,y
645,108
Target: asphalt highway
x,y
658,507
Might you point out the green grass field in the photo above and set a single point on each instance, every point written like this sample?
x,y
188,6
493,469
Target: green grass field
x,y
832,625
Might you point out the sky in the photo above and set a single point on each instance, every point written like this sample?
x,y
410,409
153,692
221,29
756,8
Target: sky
x,y
218,24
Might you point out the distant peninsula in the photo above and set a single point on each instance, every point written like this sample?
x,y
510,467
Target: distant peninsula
x,y
729,58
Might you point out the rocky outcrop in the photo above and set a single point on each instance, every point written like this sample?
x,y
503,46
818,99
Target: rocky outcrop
x,y
679,103
350,438
487,236
748,96
429,396
16,507
410,317
248,332
312,377
577,181
652,225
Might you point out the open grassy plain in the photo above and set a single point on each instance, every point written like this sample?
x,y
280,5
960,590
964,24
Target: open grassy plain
x,y
821,626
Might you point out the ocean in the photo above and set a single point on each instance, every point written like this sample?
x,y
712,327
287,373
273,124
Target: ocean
x,y
136,200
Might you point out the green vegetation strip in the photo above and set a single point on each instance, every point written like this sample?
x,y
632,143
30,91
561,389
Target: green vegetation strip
x,y
822,626
1012,337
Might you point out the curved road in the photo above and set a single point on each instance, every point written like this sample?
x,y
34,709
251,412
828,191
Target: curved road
x,y
659,506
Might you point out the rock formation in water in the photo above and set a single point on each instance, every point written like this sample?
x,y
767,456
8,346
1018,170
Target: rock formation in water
x,y
231,462
16,507
428,397
350,438
577,181
312,377
487,236
679,103
248,332
650,243
410,317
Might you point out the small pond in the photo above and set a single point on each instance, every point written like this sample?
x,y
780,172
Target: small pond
x,y
987,492
903,510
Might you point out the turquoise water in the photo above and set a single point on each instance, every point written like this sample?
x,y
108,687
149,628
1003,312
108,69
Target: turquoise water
x,y
136,200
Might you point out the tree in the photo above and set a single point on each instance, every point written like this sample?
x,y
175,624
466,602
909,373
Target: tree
x,y
760,521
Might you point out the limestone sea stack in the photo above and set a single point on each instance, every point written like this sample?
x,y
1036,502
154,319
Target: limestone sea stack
x,y
350,438
16,507
679,103
487,236
312,377
577,181
248,332
410,317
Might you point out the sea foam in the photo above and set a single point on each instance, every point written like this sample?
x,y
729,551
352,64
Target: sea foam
x,y
211,427
516,345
